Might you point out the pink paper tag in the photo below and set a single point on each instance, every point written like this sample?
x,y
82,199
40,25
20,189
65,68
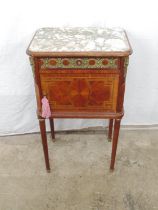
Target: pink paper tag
x,y
46,113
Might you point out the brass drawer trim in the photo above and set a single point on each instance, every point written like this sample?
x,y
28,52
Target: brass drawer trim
x,y
79,63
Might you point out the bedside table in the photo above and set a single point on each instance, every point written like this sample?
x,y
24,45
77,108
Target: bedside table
x,y
80,73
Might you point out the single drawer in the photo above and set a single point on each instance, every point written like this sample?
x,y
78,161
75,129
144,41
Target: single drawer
x,y
71,91
79,63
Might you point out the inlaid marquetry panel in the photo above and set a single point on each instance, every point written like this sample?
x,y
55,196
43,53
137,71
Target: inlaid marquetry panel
x,y
80,63
81,93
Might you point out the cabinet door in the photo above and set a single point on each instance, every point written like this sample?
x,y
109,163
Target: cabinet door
x,y
71,91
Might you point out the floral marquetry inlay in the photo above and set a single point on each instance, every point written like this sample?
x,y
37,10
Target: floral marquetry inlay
x,y
78,92
81,63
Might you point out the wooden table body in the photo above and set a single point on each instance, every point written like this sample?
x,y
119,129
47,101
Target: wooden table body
x,y
88,86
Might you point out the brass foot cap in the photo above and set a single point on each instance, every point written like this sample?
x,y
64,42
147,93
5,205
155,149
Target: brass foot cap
x,y
53,139
109,140
48,170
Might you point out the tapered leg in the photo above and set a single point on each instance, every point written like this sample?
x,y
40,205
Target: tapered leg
x,y
110,129
114,142
52,128
44,142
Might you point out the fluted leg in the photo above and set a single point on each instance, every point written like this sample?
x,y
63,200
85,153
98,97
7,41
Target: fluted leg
x,y
114,142
110,129
52,128
44,142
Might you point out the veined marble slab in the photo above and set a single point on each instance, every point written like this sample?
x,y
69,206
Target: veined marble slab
x,y
77,39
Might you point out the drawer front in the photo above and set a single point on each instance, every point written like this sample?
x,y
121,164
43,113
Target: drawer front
x,y
79,63
80,92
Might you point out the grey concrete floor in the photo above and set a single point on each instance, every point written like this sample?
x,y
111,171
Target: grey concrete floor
x,y
80,178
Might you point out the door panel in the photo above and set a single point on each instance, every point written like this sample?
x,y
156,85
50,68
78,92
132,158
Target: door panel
x,y
80,92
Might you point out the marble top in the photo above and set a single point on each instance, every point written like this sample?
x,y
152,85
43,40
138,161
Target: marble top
x,y
77,39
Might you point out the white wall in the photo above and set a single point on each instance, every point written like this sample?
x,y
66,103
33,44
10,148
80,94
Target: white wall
x,y
19,20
